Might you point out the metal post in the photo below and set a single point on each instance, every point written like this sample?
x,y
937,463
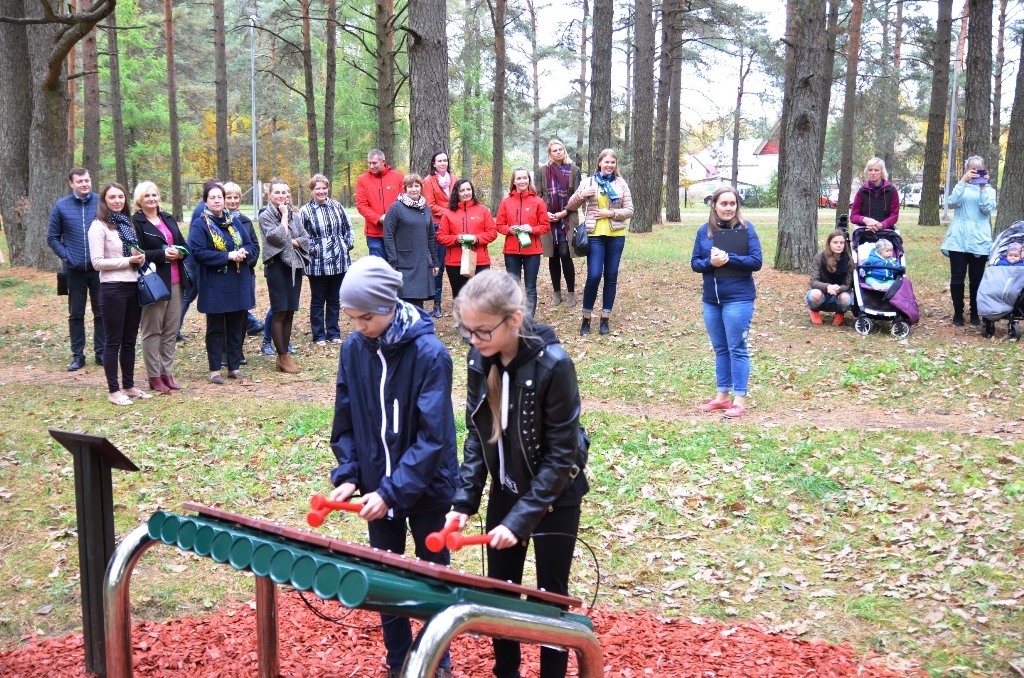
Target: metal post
x,y
266,628
952,127
439,632
117,611
252,102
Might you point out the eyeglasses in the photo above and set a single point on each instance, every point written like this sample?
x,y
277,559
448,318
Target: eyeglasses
x,y
481,335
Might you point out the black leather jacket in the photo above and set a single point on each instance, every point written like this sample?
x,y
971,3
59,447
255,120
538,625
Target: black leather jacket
x,y
541,442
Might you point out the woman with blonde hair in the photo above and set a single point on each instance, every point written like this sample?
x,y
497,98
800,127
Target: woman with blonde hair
x,y
968,239
160,238
330,240
608,206
556,182
877,203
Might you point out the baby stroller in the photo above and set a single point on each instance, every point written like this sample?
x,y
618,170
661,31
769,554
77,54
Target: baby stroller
x,y
897,305
1001,292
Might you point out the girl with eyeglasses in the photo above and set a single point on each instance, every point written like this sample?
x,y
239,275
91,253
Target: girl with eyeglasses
x,y
522,430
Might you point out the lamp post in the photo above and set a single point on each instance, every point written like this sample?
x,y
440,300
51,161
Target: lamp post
x,y
256,195
952,127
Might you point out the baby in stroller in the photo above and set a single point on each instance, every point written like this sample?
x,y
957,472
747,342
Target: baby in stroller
x,y
1012,256
1001,292
882,290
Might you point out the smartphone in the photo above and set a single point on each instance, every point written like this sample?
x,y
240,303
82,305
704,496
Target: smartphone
x,y
981,179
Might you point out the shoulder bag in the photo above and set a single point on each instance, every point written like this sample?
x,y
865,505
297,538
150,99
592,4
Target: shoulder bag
x,y
151,287
580,240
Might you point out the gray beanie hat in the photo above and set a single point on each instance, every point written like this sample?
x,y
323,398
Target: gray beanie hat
x,y
371,285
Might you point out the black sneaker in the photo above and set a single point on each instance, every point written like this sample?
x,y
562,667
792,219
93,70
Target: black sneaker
x,y
268,349
77,363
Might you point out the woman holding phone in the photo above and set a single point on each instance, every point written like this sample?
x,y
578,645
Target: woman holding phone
x,y
729,295
969,237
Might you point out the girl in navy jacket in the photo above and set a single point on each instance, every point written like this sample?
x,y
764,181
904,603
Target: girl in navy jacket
x,y
728,300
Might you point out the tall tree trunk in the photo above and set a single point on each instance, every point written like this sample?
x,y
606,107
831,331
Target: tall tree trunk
x,y
788,82
172,110
428,82
997,98
117,117
72,95
628,113
535,81
807,39
498,125
470,55
644,182
887,135
312,140
600,136
674,151
221,78
935,137
15,128
384,29
582,96
330,89
850,106
737,115
665,66
91,122
826,92
1011,197
978,95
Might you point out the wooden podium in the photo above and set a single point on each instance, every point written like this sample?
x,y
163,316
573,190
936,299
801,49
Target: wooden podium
x,y
94,504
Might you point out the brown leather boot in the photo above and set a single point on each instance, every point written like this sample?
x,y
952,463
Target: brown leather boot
x,y
157,384
285,364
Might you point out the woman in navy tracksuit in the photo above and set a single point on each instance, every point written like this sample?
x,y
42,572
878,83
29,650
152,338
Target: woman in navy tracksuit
x,y
394,427
728,300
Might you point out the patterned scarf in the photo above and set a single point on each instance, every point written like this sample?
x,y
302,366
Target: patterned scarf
x,y
604,181
127,232
216,224
409,202
406,316
557,178
445,182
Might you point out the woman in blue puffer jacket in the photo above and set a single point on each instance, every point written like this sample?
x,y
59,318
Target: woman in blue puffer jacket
x,y
728,299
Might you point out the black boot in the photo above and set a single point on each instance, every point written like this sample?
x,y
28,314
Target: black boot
x,y
585,327
975,320
604,329
956,293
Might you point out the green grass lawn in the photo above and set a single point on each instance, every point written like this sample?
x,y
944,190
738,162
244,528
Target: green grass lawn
x,y
873,495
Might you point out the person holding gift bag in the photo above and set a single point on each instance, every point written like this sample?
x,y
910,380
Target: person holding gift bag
x,y
523,218
467,228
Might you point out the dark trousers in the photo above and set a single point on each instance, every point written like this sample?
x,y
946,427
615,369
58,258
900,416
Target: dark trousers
x,y
603,259
529,265
121,317
224,335
439,278
390,535
324,290
80,285
556,266
456,279
193,292
963,265
553,555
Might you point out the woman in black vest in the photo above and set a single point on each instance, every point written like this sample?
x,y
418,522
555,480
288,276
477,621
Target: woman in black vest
x,y
877,203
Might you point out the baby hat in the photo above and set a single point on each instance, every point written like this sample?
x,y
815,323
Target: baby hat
x,y
882,244
1013,247
371,285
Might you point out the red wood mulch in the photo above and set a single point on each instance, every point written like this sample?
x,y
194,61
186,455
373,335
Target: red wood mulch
x,y
222,645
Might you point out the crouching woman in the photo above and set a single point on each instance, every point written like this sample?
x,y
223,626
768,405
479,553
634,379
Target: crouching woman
x,y
831,280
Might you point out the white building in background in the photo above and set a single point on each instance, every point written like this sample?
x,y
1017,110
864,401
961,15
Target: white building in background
x,y
705,171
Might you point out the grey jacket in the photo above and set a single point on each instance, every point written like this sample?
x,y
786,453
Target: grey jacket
x,y
277,242
410,248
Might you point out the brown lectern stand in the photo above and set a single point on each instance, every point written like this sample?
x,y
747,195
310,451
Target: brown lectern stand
x,y
94,503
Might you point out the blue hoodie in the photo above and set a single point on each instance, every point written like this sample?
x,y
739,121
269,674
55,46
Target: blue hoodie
x,y
725,289
394,426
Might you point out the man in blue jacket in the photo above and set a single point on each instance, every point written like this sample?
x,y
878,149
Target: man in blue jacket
x,y
394,427
68,237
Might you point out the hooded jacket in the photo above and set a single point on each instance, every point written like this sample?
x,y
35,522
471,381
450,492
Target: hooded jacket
x,y
881,203
541,441
726,289
394,427
374,195
68,230
470,218
523,208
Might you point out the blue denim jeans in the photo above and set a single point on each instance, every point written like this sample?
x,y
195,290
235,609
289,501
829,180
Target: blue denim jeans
x,y
439,278
389,535
529,266
266,327
324,291
605,253
835,303
728,325
376,246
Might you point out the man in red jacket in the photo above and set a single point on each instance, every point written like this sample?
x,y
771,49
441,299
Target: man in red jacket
x,y
375,191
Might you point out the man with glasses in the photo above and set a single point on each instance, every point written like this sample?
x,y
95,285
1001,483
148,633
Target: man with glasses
x,y
394,427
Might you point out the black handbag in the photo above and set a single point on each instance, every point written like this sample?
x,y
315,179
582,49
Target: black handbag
x,y
151,287
580,240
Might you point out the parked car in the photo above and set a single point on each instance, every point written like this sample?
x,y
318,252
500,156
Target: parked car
x,y
910,195
827,200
